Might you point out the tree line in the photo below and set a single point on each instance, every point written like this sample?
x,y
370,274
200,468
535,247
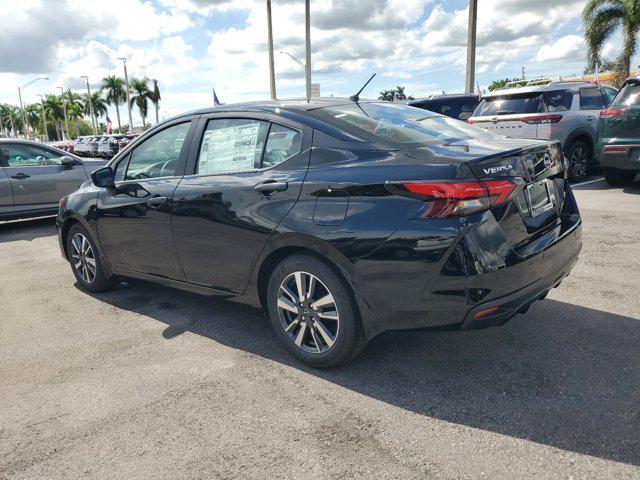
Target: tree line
x,y
48,116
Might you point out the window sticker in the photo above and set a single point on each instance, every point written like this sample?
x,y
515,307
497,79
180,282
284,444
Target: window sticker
x,y
229,148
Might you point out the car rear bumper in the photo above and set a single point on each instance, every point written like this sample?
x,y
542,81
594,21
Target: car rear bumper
x,y
623,157
418,280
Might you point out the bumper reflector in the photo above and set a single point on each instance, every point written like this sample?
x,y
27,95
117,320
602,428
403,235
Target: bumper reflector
x,y
484,313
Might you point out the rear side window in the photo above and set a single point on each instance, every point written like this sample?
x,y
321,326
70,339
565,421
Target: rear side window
x,y
466,109
282,143
440,107
609,94
558,101
591,99
629,95
232,145
510,104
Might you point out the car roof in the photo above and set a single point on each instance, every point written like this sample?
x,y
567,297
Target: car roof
x,y
551,87
272,105
445,96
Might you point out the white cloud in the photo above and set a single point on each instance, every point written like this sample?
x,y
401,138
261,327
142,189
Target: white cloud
x,y
567,47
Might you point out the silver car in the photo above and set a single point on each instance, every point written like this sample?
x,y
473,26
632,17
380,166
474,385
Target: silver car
x,y
34,177
550,110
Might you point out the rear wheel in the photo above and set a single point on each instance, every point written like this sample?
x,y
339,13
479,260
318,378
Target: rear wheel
x,y
619,178
579,157
313,312
85,260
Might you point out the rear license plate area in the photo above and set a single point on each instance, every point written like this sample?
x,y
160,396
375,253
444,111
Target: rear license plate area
x,y
538,198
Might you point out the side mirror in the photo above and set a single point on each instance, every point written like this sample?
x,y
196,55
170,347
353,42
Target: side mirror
x,y
68,161
103,178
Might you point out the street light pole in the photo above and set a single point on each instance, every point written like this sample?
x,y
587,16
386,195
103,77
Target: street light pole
x,y
25,127
307,22
64,110
44,118
272,73
471,45
93,118
126,83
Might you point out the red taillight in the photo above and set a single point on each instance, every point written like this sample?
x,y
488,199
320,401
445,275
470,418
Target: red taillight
x,y
612,111
540,119
459,198
615,149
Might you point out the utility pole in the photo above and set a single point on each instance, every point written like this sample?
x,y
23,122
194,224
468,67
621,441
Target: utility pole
x,y
307,22
93,118
522,74
471,45
126,83
44,118
64,110
272,73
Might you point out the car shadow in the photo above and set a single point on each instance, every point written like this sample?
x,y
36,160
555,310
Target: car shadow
x,y
634,188
561,375
27,229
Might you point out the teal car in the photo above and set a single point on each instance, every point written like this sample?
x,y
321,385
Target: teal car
x,y
619,135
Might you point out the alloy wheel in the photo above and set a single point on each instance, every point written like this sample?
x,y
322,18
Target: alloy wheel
x,y
308,312
83,258
579,162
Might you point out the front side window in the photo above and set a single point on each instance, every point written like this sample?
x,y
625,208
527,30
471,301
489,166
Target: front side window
x,y
157,156
28,156
591,99
282,144
232,145
401,124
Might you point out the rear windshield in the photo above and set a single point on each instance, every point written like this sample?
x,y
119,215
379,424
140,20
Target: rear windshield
x,y
629,94
535,102
400,123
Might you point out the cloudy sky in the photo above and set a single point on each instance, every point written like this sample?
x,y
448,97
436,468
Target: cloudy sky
x,y
191,46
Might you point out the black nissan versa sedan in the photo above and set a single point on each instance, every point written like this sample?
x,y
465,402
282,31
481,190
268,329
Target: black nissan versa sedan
x,y
343,219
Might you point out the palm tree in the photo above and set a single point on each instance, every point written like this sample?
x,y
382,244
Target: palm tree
x,y
75,108
4,119
33,112
156,99
601,19
99,105
115,93
11,116
53,110
141,97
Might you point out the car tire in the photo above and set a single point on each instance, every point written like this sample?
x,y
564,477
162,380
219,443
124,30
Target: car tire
x,y
85,260
579,157
619,178
322,328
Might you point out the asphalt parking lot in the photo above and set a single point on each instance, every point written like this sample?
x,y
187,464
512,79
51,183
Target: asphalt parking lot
x,y
149,382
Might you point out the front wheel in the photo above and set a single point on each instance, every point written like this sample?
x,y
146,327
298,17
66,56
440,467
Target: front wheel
x,y
313,312
619,178
579,157
85,260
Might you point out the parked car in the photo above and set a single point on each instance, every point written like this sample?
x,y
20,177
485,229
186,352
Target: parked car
x,y
92,146
459,105
359,218
551,110
34,177
81,146
126,139
108,145
620,135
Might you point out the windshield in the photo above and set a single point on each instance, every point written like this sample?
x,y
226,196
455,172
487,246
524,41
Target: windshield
x,y
401,123
629,95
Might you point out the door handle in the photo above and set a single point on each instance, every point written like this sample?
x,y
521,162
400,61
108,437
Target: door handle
x,y
590,119
20,176
270,187
155,202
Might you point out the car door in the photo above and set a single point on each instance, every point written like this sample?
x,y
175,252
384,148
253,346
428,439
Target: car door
x,y
134,219
38,178
246,173
6,194
592,102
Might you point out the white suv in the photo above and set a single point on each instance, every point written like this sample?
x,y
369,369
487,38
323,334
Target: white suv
x,y
555,110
